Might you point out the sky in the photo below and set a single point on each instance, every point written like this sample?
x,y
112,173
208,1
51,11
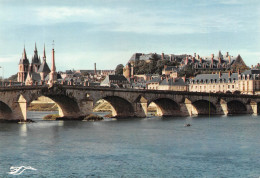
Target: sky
x,y
108,32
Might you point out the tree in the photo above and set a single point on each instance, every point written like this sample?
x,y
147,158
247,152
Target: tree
x,y
187,71
13,77
119,69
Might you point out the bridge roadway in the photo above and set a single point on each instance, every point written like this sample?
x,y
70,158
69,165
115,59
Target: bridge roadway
x,y
75,101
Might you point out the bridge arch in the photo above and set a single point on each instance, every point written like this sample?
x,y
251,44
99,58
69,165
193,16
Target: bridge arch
x,y
5,111
236,107
204,107
67,106
166,107
120,106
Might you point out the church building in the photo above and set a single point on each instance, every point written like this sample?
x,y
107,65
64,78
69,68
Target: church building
x,y
36,71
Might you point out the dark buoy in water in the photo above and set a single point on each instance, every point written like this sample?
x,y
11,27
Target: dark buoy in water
x,y
187,125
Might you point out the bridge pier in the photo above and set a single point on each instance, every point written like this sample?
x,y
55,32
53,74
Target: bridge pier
x,y
223,107
140,109
86,107
23,108
253,107
190,108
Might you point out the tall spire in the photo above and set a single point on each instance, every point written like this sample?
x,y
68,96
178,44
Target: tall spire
x,y
44,54
35,47
24,53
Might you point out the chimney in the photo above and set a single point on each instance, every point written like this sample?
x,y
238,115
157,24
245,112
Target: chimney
x,y
200,60
170,57
229,74
227,54
229,59
252,66
194,55
212,56
132,70
219,60
184,78
95,68
162,56
187,60
198,56
212,61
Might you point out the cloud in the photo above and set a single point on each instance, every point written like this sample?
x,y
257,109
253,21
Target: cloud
x,y
134,20
9,58
145,21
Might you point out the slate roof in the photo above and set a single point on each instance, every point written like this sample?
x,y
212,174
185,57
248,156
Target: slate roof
x,y
172,68
174,82
24,59
214,78
155,80
110,78
35,76
252,71
117,77
44,67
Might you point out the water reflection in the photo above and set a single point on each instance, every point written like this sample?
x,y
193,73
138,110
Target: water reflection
x,y
150,147
23,130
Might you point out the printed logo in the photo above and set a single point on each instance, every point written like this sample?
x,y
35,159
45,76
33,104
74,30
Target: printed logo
x,y
20,170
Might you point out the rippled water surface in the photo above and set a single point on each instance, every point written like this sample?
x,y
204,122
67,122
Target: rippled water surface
x,y
150,147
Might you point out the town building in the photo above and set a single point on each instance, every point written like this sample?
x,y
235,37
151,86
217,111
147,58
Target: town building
x,y
171,71
168,83
244,83
174,84
116,81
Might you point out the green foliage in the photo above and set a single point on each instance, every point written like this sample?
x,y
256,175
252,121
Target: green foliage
x,y
119,69
13,78
93,117
154,66
187,71
51,117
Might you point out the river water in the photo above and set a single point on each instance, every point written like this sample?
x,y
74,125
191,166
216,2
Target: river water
x,y
150,147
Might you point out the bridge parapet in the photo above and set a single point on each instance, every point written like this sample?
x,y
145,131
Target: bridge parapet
x,y
74,101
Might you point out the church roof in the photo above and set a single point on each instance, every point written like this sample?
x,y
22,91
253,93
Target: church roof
x,y
24,59
34,76
44,67
35,58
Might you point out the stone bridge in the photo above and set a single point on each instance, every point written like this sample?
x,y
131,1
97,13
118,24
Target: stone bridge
x,y
75,101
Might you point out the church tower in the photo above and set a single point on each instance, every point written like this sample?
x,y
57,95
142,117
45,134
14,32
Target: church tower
x,y
53,73
44,69
36,62
23,67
